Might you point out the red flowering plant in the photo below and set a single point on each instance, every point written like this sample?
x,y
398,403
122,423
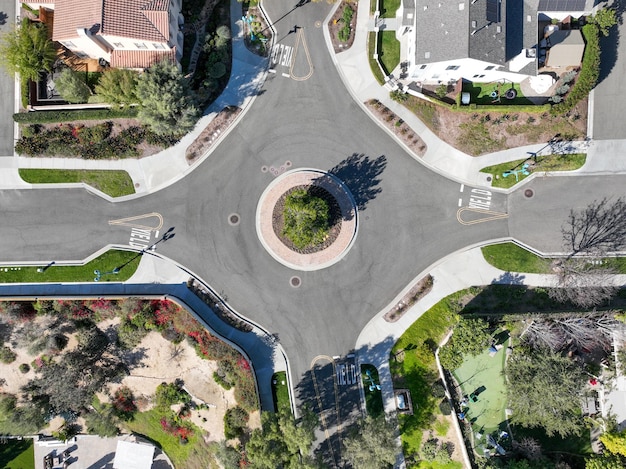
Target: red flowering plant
x,y
124,403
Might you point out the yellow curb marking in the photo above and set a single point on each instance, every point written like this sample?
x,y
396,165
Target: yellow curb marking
x,y
129,221
300,37
491,215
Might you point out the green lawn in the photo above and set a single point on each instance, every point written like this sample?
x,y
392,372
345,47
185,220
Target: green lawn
x,y
280,391
81,273
17,454
388,50
486,373
413,366
373,398
480,93
371,47
438,465
512,258
388,8
544,163
148,424
114,183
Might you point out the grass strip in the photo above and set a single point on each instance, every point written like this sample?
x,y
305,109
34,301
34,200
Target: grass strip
x,y
512,258
115,183
107,262
280,391
568,162
388,8
371,49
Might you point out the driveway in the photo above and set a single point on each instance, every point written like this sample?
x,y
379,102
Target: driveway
x,y
7,85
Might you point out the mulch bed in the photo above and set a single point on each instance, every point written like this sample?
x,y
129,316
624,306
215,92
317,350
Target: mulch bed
x,y
278,221
419,290
336,23
209,135
397,126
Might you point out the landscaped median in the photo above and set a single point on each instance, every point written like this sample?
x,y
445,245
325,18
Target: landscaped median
x,y
506,175
126,263
115,183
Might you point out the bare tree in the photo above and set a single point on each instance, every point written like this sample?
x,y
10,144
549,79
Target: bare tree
x,y
598,229
529,448
556,331
583,282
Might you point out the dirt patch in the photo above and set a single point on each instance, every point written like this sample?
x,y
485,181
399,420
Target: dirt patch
x,y
397,126
418,291
211,132
480,132
337,23
278,221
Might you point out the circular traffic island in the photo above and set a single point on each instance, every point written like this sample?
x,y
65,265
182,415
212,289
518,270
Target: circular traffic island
x,y
307,219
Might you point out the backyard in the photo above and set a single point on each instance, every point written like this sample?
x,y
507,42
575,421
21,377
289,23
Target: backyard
x,y
488,93
483,376
17,454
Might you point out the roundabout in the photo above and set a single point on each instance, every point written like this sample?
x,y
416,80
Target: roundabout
x,y
343,226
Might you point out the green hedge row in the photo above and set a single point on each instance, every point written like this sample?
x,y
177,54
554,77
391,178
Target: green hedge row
x,y
473,107
46,117
589,73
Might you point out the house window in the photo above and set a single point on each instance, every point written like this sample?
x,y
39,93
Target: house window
x,y
141,45
119,45
423,67
69,44
158,46
490,67
453,67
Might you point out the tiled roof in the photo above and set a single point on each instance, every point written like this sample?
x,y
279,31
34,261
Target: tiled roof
x,y
145,20
140,59
73,14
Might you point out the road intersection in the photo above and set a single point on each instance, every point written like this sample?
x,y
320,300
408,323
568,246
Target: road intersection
x,y
410,216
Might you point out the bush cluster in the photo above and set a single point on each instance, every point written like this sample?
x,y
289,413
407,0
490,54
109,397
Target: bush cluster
x,y
49,117
344,32
88,142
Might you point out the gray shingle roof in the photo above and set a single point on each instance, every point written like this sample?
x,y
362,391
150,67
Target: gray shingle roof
x,y
442,30
487,39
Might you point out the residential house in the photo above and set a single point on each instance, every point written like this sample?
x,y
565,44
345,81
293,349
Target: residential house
x,y
485,40
120,33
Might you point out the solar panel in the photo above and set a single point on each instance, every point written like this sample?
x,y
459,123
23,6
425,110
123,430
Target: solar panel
x,y
493,11
561,5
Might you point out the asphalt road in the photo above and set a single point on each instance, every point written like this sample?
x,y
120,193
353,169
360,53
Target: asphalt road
x,y
408,215
7,85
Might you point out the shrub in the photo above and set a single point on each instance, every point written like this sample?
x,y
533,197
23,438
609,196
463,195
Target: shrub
x,y
562,89
568,77
217,70
344,33
306,218
348,13
7,355
168,394
47,117
398,96
124,403
24,368
449,358
441,90
438,390
219,379
445,407
223,31
235,422
557,98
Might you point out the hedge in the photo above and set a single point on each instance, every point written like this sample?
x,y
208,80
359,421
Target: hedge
x,y
589,73
46,117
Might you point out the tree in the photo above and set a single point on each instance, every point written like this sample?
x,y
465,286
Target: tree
x,y
614,442
605,19
449,358
605,461
471,336
545,390
118,87
72,87
282,442
166,103
26,50
372,444
583,282
306,218
598,229
227,455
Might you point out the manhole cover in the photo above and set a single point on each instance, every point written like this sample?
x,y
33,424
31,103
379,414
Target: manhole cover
x,y
295,281
488,178
528,193
233,219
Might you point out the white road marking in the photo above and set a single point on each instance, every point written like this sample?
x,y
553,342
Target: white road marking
x,y
462,187
346,374
286,75
480,199
271,70
281,55
140,238
460,201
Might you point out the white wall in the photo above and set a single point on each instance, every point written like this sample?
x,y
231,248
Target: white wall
x,y
470,69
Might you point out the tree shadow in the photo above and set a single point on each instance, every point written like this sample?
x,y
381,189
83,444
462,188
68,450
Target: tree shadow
x,y
509,278
361,175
